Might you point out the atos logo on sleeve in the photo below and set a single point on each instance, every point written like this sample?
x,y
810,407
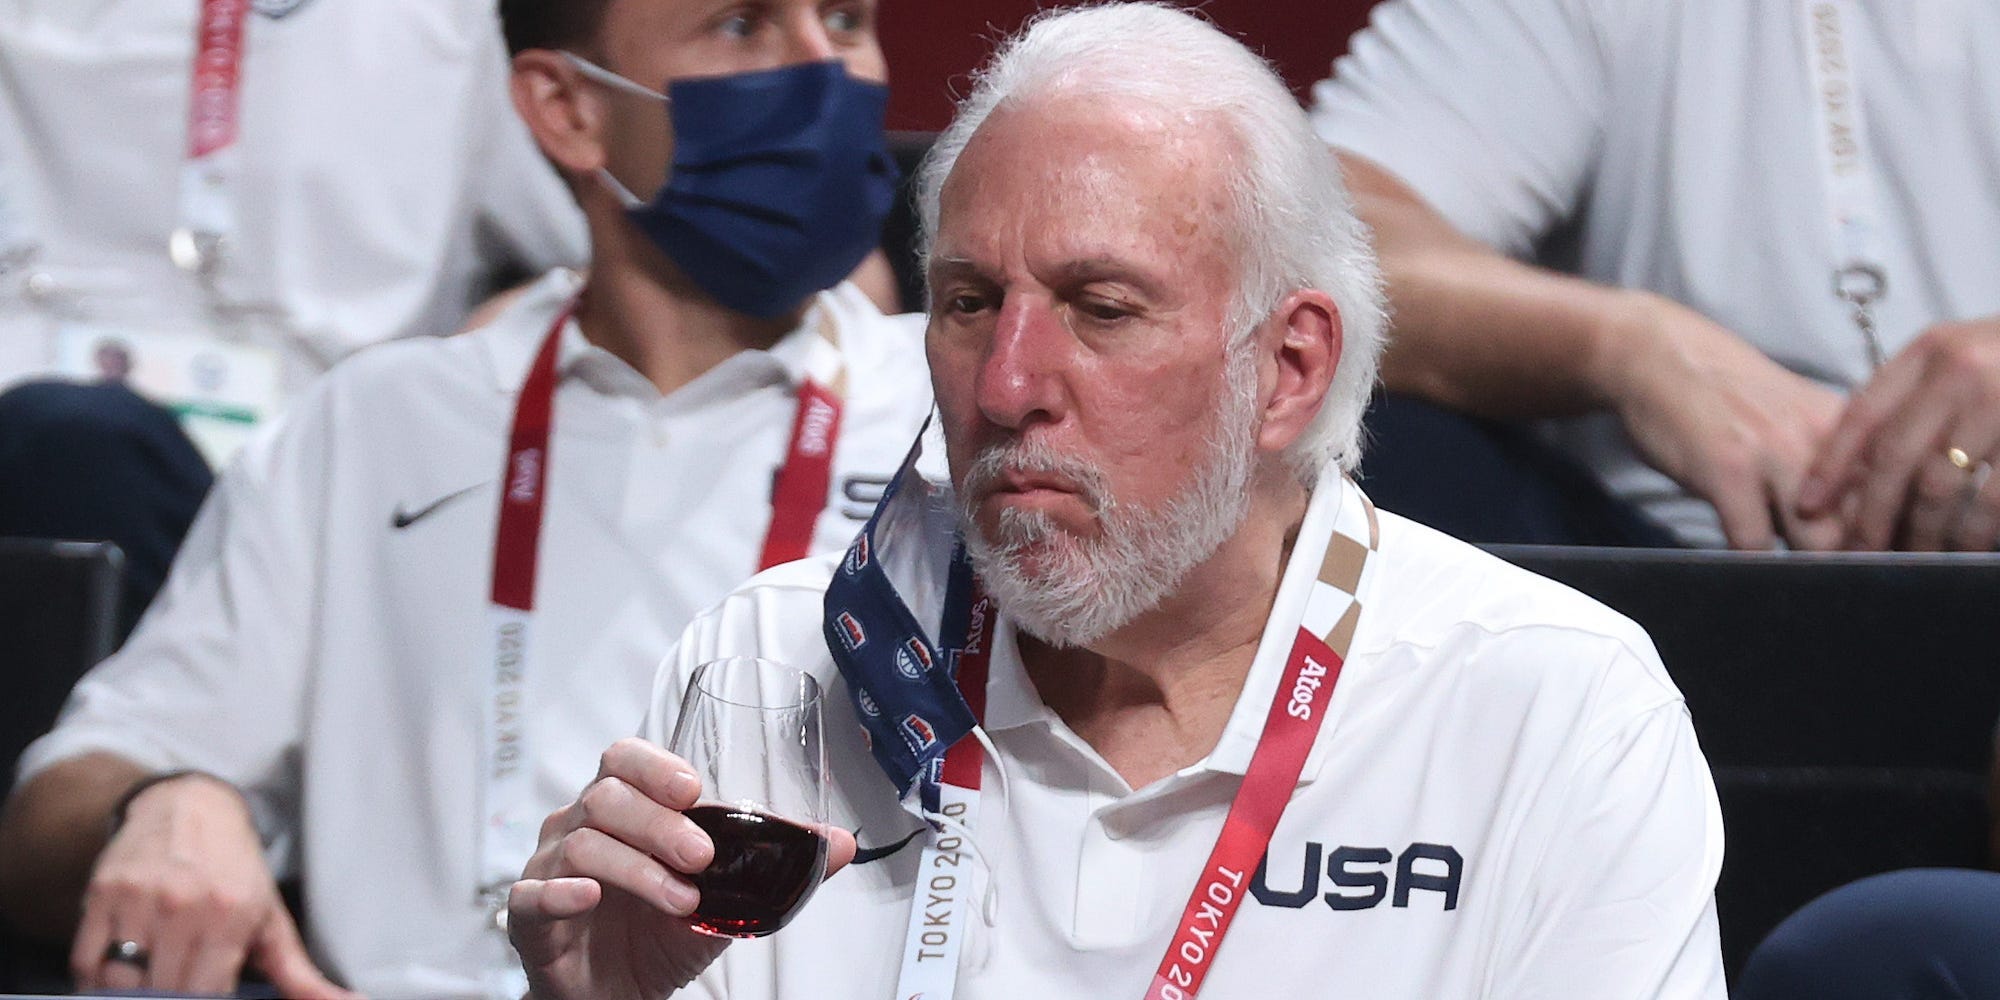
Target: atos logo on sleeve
x,y
1362,877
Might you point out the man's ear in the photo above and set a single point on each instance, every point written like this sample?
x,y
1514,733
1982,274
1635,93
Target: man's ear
x,y
565,115
1300,344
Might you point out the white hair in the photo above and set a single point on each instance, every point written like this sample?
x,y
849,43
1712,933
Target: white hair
x,y
1294,221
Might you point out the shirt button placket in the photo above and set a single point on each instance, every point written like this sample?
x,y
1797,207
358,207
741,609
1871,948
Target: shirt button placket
x,y
1110,885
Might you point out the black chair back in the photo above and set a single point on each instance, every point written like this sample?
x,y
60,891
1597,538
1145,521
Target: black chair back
x,y
1846,704
59,616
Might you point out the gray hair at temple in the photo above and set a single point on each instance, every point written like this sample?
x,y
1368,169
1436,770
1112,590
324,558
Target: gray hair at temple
x,y
1294,222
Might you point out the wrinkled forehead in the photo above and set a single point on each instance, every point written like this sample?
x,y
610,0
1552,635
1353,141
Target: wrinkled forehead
x,y
1083,177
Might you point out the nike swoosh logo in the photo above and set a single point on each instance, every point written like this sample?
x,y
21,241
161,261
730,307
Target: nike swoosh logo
x,y
863,855
404,519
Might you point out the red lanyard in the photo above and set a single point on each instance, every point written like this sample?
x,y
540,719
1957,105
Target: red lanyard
x,y
218,65
208,171
963,762
508,815
526,472
1289,730
807,475
798,498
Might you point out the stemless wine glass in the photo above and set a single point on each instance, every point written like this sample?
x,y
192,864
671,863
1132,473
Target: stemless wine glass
x,y
750,728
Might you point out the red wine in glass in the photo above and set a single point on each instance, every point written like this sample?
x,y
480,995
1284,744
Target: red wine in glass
x,y
750,729
765,869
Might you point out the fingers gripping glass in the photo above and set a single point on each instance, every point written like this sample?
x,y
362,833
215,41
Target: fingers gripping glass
x,y
750,728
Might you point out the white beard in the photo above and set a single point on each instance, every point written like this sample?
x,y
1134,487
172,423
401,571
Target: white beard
x,y
1071,591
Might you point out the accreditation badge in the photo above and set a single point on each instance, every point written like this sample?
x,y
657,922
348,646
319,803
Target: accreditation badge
x,y
220,389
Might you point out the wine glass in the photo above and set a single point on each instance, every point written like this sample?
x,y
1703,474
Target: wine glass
x,y
750,728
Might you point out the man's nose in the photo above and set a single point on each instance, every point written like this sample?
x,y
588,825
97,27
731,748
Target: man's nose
x,y
1020,380
807,39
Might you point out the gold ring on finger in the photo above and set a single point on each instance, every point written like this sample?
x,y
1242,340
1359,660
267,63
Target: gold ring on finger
x,y
1958,458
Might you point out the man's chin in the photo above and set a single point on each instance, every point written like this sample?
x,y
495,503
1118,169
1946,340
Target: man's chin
x,y
1027,516
1033,562
1040,563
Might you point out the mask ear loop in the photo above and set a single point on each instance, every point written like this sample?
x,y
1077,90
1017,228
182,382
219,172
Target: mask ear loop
x,y
989,908
618,189
594,72
599,74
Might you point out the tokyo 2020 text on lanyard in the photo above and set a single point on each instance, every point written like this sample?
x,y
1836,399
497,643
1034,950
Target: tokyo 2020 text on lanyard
x,y
1848,179
938,911
507,823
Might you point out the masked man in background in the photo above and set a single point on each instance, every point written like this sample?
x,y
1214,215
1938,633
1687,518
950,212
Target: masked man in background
x,y
407,621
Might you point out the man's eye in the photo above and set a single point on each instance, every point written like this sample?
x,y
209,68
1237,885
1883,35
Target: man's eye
x,y
843,20
1101,310
960,302
737,26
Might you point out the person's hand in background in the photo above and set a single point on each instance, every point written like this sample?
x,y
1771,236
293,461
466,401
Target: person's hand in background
x,y
1909,464
184,879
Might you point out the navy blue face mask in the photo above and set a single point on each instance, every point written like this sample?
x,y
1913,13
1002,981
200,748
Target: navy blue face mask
x,y
779,184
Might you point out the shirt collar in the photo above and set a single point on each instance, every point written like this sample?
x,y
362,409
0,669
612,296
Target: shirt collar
x,y
1011,698
808,351
1334,497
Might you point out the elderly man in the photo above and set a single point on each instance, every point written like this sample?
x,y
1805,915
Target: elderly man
x,y
408,621
1221,721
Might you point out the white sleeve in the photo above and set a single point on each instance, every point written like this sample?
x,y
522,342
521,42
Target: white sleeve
x,y
1622,905
1491,109
215,676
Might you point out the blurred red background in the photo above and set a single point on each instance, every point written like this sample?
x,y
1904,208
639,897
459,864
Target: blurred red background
x,y
933,45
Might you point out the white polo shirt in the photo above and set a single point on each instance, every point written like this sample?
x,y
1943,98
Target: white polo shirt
x,y
1506,801
1671,146
338,667
384,177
